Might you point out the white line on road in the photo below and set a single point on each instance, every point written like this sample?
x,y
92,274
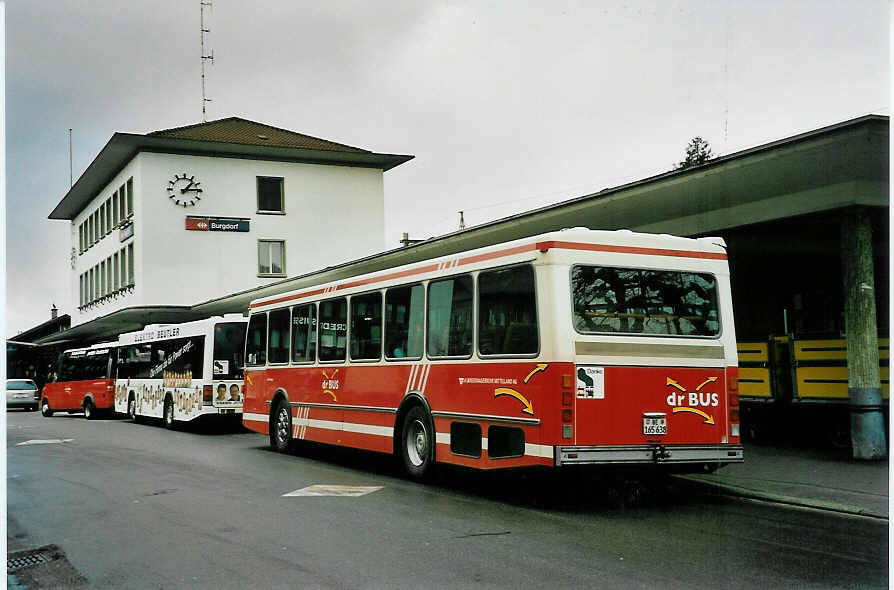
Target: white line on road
x,y
334,490
49,441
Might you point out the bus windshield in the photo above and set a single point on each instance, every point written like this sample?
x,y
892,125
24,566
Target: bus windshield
x,y
638,301
229,338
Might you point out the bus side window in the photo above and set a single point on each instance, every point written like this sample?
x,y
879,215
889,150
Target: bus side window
x,y
279,336
304,333
507,311
366,326
256,341
404,316
333,329
450,317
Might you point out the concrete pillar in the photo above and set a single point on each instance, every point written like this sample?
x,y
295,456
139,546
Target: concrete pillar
x,y
864,386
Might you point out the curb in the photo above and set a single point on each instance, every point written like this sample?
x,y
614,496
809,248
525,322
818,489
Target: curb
x,y
743,492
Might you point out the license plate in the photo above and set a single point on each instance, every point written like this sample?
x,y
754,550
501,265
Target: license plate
x,y
654,423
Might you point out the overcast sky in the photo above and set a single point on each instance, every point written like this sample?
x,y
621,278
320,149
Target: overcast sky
x,y
507,106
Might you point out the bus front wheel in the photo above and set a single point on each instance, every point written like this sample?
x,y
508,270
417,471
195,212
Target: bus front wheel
x,y
89,410
417,443
45,408
132,409
281,427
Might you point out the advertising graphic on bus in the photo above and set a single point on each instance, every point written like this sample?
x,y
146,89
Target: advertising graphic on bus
x,y
181,372
84,382
573,347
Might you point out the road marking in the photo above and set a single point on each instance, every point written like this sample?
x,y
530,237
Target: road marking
x,y
334,490
50,441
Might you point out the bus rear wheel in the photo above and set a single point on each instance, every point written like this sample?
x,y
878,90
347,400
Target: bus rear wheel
x,y
132,409
281,427
89,409
417,443
45,408
169,413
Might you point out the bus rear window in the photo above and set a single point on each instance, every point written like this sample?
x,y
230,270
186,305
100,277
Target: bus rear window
x,y
229,338
636,301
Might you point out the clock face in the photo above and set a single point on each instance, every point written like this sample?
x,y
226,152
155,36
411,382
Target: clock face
x,y
184,190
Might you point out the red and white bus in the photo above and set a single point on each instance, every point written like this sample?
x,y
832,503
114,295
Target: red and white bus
x,y
573,347
180,372
84,383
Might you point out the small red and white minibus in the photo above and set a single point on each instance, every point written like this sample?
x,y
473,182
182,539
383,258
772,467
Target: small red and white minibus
x,y
567,348
85,382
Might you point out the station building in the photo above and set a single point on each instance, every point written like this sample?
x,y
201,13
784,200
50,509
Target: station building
x,y
163,220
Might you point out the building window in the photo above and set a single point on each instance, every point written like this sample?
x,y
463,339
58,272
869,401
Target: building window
x,y
108,215
117,274
271,257
130,273
129,197
270,195
122,202
123,267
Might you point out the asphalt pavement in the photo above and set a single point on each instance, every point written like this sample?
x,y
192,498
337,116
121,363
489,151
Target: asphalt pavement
x,y
136,506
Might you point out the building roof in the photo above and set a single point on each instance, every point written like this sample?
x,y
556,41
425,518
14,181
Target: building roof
x,y
49,327
226,138
245,132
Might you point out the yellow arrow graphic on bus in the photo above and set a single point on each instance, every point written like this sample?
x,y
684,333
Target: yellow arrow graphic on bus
x,y
708,380
537,369
673,383
528,409
248,378
330,393
708,418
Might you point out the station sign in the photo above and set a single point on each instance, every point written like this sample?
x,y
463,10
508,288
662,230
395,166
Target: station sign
x,y
226,224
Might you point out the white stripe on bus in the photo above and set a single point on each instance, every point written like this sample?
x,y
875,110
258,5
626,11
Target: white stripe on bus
x,y
442,438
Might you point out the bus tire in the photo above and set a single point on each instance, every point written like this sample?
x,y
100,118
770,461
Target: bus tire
x,y
45,408
417,443
168,415
281,427
132,409
89,409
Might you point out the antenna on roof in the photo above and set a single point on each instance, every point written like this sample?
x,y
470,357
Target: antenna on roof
x,y
202,5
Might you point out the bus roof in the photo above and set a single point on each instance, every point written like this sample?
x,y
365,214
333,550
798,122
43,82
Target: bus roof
x,y
626,241
163,331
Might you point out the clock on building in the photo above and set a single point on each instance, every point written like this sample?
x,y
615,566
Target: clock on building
x,y
184,190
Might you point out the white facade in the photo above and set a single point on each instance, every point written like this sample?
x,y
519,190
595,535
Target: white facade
x,y
331,214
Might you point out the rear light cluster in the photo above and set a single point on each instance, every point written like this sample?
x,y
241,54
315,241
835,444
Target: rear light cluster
x,y
732,389
567,403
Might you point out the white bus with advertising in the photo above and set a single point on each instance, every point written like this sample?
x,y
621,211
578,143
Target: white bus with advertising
x,y
180,372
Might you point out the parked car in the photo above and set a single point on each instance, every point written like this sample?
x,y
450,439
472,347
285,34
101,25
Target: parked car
x,y
22,393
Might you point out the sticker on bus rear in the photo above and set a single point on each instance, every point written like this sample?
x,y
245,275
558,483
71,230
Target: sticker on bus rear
x,y
591,382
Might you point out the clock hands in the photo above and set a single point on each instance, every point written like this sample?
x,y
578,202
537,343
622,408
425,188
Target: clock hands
x,y
191,186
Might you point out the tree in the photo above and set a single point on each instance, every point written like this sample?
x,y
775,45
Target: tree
x,y
697,152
